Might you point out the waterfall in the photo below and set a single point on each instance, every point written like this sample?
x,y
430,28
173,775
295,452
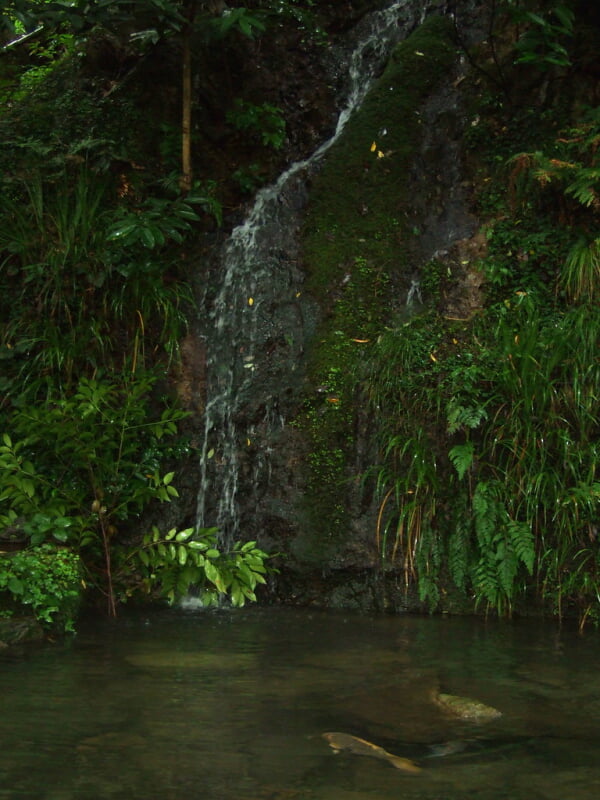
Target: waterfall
x,y
414,293
252,331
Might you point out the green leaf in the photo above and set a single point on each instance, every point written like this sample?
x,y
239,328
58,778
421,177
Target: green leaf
x,y
211,572
122,232
15,585
147,237
188,213
198,545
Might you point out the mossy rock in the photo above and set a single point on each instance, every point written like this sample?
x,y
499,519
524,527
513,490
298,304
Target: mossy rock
x,y
357,243
360,199
20,630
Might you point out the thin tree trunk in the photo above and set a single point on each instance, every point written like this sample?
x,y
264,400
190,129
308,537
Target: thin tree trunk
x,y
185,182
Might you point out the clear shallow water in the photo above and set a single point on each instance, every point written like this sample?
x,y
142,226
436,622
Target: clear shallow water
x,y
232,705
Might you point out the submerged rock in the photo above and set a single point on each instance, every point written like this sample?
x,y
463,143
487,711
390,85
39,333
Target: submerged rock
x,y
173,659
20,630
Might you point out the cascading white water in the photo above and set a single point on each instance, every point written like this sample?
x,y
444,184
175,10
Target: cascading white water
x,y
260,291
414,293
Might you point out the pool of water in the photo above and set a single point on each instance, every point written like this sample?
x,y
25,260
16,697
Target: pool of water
x,y
232,706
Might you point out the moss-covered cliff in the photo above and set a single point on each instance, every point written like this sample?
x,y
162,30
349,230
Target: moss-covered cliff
x,y
361,249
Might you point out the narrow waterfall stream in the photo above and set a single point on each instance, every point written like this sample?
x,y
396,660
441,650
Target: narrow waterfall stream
x,y
260,319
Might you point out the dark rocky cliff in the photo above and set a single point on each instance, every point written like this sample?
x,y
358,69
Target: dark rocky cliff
x,y
390,194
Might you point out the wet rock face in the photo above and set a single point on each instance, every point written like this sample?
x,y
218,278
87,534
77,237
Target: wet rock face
x,y
464,296
274,331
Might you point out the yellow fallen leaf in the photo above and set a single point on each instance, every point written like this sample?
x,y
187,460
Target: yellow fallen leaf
x,y
432,357
250,301
373,147
380,154
419,53
361,341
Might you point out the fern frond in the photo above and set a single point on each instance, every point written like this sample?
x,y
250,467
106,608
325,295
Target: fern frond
x,y
522,543
507,566
462,456
485,581
459,416
459,547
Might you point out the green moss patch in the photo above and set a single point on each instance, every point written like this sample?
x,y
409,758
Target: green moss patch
x,y
357,240
359,200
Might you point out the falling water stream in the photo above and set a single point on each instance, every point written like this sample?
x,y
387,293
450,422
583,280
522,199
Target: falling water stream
x,y
252,333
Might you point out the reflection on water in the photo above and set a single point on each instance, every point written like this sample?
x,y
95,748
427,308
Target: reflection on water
x,y
232,705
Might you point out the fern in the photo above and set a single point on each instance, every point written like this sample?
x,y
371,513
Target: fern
x,y
485,581
507,566
459,547
428,591
522,542
462,456
485,507
428,559
583,188
459,416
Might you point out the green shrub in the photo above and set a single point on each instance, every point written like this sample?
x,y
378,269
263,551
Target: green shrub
x,y
46,579
264,122
79,467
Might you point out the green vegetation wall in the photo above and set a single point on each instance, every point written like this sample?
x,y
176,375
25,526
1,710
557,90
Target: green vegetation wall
x,y
473,424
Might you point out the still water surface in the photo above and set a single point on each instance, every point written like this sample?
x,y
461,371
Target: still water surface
x,y
232,705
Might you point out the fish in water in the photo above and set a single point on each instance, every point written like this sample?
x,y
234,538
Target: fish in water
x,y
360,747
444,749
465,707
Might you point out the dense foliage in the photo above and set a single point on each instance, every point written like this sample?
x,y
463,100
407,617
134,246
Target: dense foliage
x,y
96,293
47,580
485,427
489,424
